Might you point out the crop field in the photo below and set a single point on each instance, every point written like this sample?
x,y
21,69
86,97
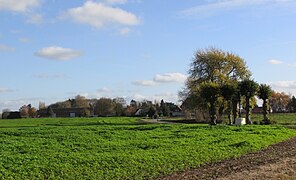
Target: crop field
x,y
120,148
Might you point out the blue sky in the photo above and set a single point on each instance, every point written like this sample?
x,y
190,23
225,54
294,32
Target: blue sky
x,y
52,50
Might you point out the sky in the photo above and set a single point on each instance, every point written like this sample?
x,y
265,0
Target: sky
x,y
53,50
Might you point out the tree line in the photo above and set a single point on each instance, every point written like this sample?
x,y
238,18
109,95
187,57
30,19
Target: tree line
x,y
98,107
112,107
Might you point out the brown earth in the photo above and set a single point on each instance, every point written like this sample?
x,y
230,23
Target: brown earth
x,y
275,162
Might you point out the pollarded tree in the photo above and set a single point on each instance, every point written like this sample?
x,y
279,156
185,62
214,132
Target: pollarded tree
x,y
228,92
265,93
248,88
236,102
210,91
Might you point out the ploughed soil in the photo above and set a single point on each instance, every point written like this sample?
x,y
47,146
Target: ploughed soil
x,y
278,161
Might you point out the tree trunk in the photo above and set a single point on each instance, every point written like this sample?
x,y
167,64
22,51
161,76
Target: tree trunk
x,y
265,112
239,108
229,112
220,114
234,110
213,116
248,112
229,118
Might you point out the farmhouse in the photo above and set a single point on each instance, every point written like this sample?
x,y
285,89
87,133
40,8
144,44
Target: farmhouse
x,y
11,115
176,111
66,112
255,110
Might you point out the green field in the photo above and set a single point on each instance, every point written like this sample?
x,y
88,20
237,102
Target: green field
x,y
285,119
282,119
120,148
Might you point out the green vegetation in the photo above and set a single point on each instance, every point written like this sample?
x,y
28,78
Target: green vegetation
x,y
284,119
209,93
223,70
248,88
220,83
265,93
278,119
120,148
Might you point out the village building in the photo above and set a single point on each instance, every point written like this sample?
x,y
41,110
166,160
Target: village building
x,y
11,115
66,112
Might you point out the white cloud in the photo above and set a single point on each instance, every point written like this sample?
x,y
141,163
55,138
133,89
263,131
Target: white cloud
x,y
35,19
139,97
115,1
284,86
162,78
24,40
166,96
275,62
18,5
25,7
15,31
5,90
99,93
144,83
11,105
170,77
292,65
15,104
99,15
5,48
124,31
58,53
215,6
50,76
104,90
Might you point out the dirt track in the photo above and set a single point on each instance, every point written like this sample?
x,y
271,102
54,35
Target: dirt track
x,y
276,162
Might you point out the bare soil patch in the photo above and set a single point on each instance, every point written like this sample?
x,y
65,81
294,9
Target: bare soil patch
x,y
278,161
